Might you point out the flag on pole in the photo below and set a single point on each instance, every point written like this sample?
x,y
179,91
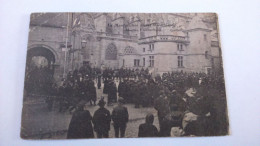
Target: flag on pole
x,y
76,22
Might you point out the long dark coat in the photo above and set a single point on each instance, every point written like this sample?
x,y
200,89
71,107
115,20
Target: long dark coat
x,y
99,81
101,120
92,92
105,90
80,125
147,130
162,106
121,89
112,93
136,92
120,115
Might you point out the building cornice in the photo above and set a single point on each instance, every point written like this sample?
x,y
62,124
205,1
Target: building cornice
x,y
115,38
196,29
47,25
134,54
148,54
163,38
156,41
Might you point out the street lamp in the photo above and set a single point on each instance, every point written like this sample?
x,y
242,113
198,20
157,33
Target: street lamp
x,y
83,44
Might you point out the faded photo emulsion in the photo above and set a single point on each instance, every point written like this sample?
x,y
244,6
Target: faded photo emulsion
x,y
123,75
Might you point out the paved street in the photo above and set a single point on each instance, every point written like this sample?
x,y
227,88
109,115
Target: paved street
x,y
38,122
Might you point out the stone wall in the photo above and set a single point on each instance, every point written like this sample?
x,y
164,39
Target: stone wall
x,y
120,45
49,38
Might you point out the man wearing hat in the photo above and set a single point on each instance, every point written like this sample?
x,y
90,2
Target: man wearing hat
x,y
80,125
101,120
120,118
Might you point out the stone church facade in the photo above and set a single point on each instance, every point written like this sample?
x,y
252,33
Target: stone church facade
x,y
159,42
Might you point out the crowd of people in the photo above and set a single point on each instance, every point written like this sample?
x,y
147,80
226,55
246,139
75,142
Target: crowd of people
x,y
38,79
81,122
194,102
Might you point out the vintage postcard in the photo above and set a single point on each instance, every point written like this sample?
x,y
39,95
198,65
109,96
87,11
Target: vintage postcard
x,y
116,75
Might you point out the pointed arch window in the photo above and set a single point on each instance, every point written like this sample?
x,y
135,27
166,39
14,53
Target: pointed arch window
x,y
111,52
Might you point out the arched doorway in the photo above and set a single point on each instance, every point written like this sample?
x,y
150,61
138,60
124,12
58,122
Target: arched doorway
x,y
40,52
39,70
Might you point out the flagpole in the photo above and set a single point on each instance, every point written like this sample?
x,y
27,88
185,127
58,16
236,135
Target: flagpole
x,y
74,35
66,46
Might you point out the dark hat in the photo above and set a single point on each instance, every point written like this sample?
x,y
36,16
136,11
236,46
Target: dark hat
x,y
120,100
149,118
101,102
81,104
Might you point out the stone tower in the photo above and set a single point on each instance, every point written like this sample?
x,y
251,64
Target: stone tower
x,y
198,58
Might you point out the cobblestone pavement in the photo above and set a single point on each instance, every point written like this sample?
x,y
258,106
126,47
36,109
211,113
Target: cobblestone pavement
x,y
39,123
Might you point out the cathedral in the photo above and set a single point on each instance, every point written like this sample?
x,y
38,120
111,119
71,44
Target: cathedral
x,y
161,42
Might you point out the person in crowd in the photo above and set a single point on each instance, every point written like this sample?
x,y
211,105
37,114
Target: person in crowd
x,y
120,118
136,94
112,92
196,120
144,98
105,89
80,125
121,88
101,120
92,93
147,129
99,81
161,104
172,119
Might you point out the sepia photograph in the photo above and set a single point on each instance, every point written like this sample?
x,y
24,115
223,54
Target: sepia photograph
x,y
123,75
